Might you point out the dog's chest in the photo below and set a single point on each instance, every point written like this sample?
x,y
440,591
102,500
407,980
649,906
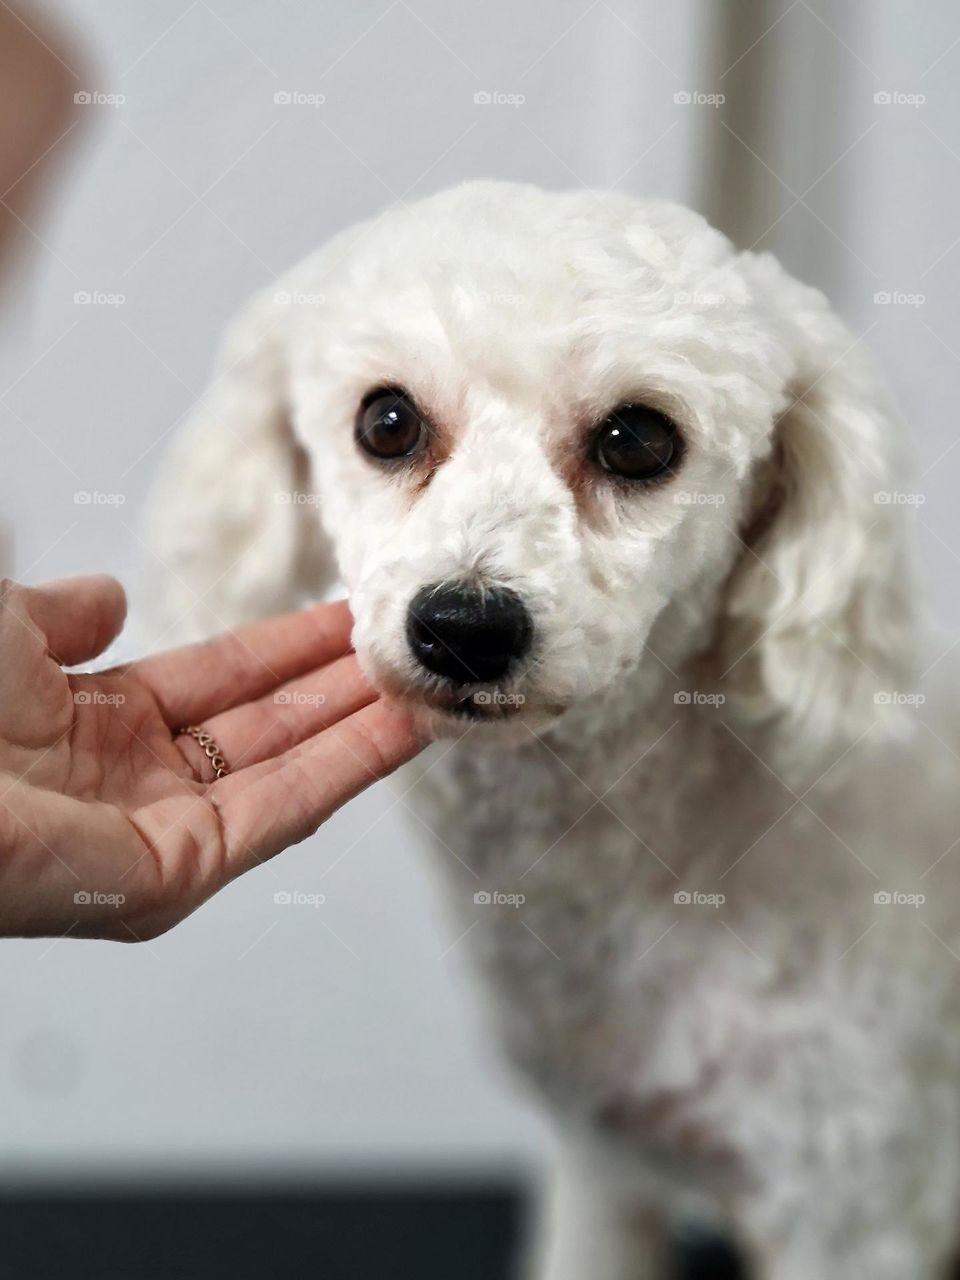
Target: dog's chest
x,y
571,884
642,965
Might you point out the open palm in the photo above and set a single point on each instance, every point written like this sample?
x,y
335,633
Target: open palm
x,y
112,822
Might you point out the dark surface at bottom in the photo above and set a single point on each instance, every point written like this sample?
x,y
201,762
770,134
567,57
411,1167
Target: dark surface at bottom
x,y
360,1234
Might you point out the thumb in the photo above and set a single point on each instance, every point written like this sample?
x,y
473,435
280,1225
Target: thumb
x,y
77,617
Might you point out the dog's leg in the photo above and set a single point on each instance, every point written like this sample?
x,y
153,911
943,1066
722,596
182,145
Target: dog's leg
x,y
596,1224
856,1244
892,1255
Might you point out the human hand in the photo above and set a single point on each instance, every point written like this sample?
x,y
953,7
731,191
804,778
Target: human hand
x,y
100,795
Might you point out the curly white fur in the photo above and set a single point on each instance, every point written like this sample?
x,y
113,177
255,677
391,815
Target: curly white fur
x,y
711,706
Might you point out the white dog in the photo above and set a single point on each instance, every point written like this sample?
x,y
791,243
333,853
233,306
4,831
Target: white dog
x,y
621,508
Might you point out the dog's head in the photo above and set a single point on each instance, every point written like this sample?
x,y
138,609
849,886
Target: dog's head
x,y
556,440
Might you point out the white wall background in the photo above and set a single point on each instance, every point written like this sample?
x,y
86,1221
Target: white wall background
x,y
256,1037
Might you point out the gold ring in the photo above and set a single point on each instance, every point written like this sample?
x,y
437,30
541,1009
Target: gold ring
x,y
210,749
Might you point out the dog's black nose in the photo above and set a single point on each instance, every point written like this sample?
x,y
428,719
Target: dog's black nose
x,y
469,634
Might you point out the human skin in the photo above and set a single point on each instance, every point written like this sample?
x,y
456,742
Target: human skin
x,y
112,823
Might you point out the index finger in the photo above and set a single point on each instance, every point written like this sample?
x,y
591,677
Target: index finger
x,y
198,680
280,802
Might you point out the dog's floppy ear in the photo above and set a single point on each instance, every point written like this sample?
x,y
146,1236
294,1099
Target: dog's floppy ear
x,y
819,619
233,531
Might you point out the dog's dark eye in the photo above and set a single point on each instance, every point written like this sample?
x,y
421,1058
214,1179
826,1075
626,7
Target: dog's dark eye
x,y
636,442
389,425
